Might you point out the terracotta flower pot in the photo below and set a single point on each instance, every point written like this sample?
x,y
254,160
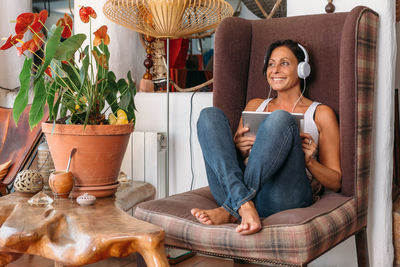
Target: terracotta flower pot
x,y
100,150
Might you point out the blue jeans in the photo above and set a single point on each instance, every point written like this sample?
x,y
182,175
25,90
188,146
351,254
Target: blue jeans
x,y
274,177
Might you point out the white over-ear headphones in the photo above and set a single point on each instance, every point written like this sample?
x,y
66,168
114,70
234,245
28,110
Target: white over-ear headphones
x,y
303,68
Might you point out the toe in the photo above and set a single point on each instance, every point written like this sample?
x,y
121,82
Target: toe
x,y
194,212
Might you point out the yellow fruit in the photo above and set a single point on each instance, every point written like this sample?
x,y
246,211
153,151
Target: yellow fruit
x,y
121,114
112,119
122,121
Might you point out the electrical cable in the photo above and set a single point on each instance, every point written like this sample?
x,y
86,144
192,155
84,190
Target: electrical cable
x,y
190,140
301,95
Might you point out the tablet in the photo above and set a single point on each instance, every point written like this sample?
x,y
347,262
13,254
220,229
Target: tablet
x,y
252,119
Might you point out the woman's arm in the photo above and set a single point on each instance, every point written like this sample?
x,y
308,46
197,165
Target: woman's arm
x,y
327,171
242,142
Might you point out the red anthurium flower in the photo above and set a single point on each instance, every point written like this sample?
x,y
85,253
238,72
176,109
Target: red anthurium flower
x,y
101,34
11,41
48,71
23,22
86,12
32,45
65,22
24,47
39,21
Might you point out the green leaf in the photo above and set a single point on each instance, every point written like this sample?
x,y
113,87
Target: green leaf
x,y
132,85
73,76
36,113
83,72
50,50
51,89
104,49
56,68
22,98
55,108
110,92
130,113
111,76
67,49
122,86
125,97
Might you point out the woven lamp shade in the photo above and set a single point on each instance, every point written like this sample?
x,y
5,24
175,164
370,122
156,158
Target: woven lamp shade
x,y
168,18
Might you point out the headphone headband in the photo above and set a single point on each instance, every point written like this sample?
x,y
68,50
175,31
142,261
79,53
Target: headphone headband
x,y
303,68
304,51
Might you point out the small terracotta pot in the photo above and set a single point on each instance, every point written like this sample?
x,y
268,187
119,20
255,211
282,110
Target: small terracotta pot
x,y
61,183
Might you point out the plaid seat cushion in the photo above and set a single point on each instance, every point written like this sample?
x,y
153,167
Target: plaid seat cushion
x,y
292,236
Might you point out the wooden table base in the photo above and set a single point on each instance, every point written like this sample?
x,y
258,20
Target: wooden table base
x,y
72,235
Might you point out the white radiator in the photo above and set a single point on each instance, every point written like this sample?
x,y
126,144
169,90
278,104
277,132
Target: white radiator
x,y
145,159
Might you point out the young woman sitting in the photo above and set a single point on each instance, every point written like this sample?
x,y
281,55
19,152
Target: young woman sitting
x,y
252,177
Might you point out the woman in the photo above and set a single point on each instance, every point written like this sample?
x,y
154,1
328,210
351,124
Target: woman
x,y
252,177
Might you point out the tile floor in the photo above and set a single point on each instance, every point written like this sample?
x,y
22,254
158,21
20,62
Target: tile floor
x,y
198,261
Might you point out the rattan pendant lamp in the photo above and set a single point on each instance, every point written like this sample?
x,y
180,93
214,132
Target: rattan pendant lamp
x,y
169,19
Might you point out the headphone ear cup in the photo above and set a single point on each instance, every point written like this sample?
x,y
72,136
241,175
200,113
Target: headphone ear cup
x,y
303,70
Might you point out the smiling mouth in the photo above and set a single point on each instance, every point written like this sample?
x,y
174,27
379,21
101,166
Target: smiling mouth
x,y
278,79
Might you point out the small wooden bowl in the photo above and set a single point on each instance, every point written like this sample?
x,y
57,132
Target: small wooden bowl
x,y
61,183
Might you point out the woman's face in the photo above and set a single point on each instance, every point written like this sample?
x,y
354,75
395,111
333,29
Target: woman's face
x,y
282,69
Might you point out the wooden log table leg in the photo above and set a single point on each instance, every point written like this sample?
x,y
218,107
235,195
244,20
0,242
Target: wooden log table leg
x,y
154,256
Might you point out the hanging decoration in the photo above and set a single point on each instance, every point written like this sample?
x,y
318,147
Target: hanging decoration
x,y
146,84
329,8
148,62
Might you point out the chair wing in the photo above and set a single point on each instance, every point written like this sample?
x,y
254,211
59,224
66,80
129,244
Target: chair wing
x,y
16,143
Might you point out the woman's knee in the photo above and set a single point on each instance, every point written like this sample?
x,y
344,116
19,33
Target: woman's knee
x,y
279,119
281,116
209,116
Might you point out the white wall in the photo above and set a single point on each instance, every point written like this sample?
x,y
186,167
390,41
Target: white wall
x,y
126,51
151,116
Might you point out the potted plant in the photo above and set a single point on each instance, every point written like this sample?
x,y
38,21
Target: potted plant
x,y
74,82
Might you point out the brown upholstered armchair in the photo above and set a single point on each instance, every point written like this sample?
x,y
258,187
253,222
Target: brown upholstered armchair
x,y
16,144
342,48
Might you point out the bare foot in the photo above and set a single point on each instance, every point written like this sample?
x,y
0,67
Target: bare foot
x,y
250,220
213,217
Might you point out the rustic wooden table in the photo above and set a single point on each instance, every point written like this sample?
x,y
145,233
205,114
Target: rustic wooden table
x,y
74,235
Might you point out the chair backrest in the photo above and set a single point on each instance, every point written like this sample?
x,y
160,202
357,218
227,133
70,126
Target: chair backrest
x,y
341,47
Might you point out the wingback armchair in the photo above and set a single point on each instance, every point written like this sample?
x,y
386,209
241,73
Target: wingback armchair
x,y
342,47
